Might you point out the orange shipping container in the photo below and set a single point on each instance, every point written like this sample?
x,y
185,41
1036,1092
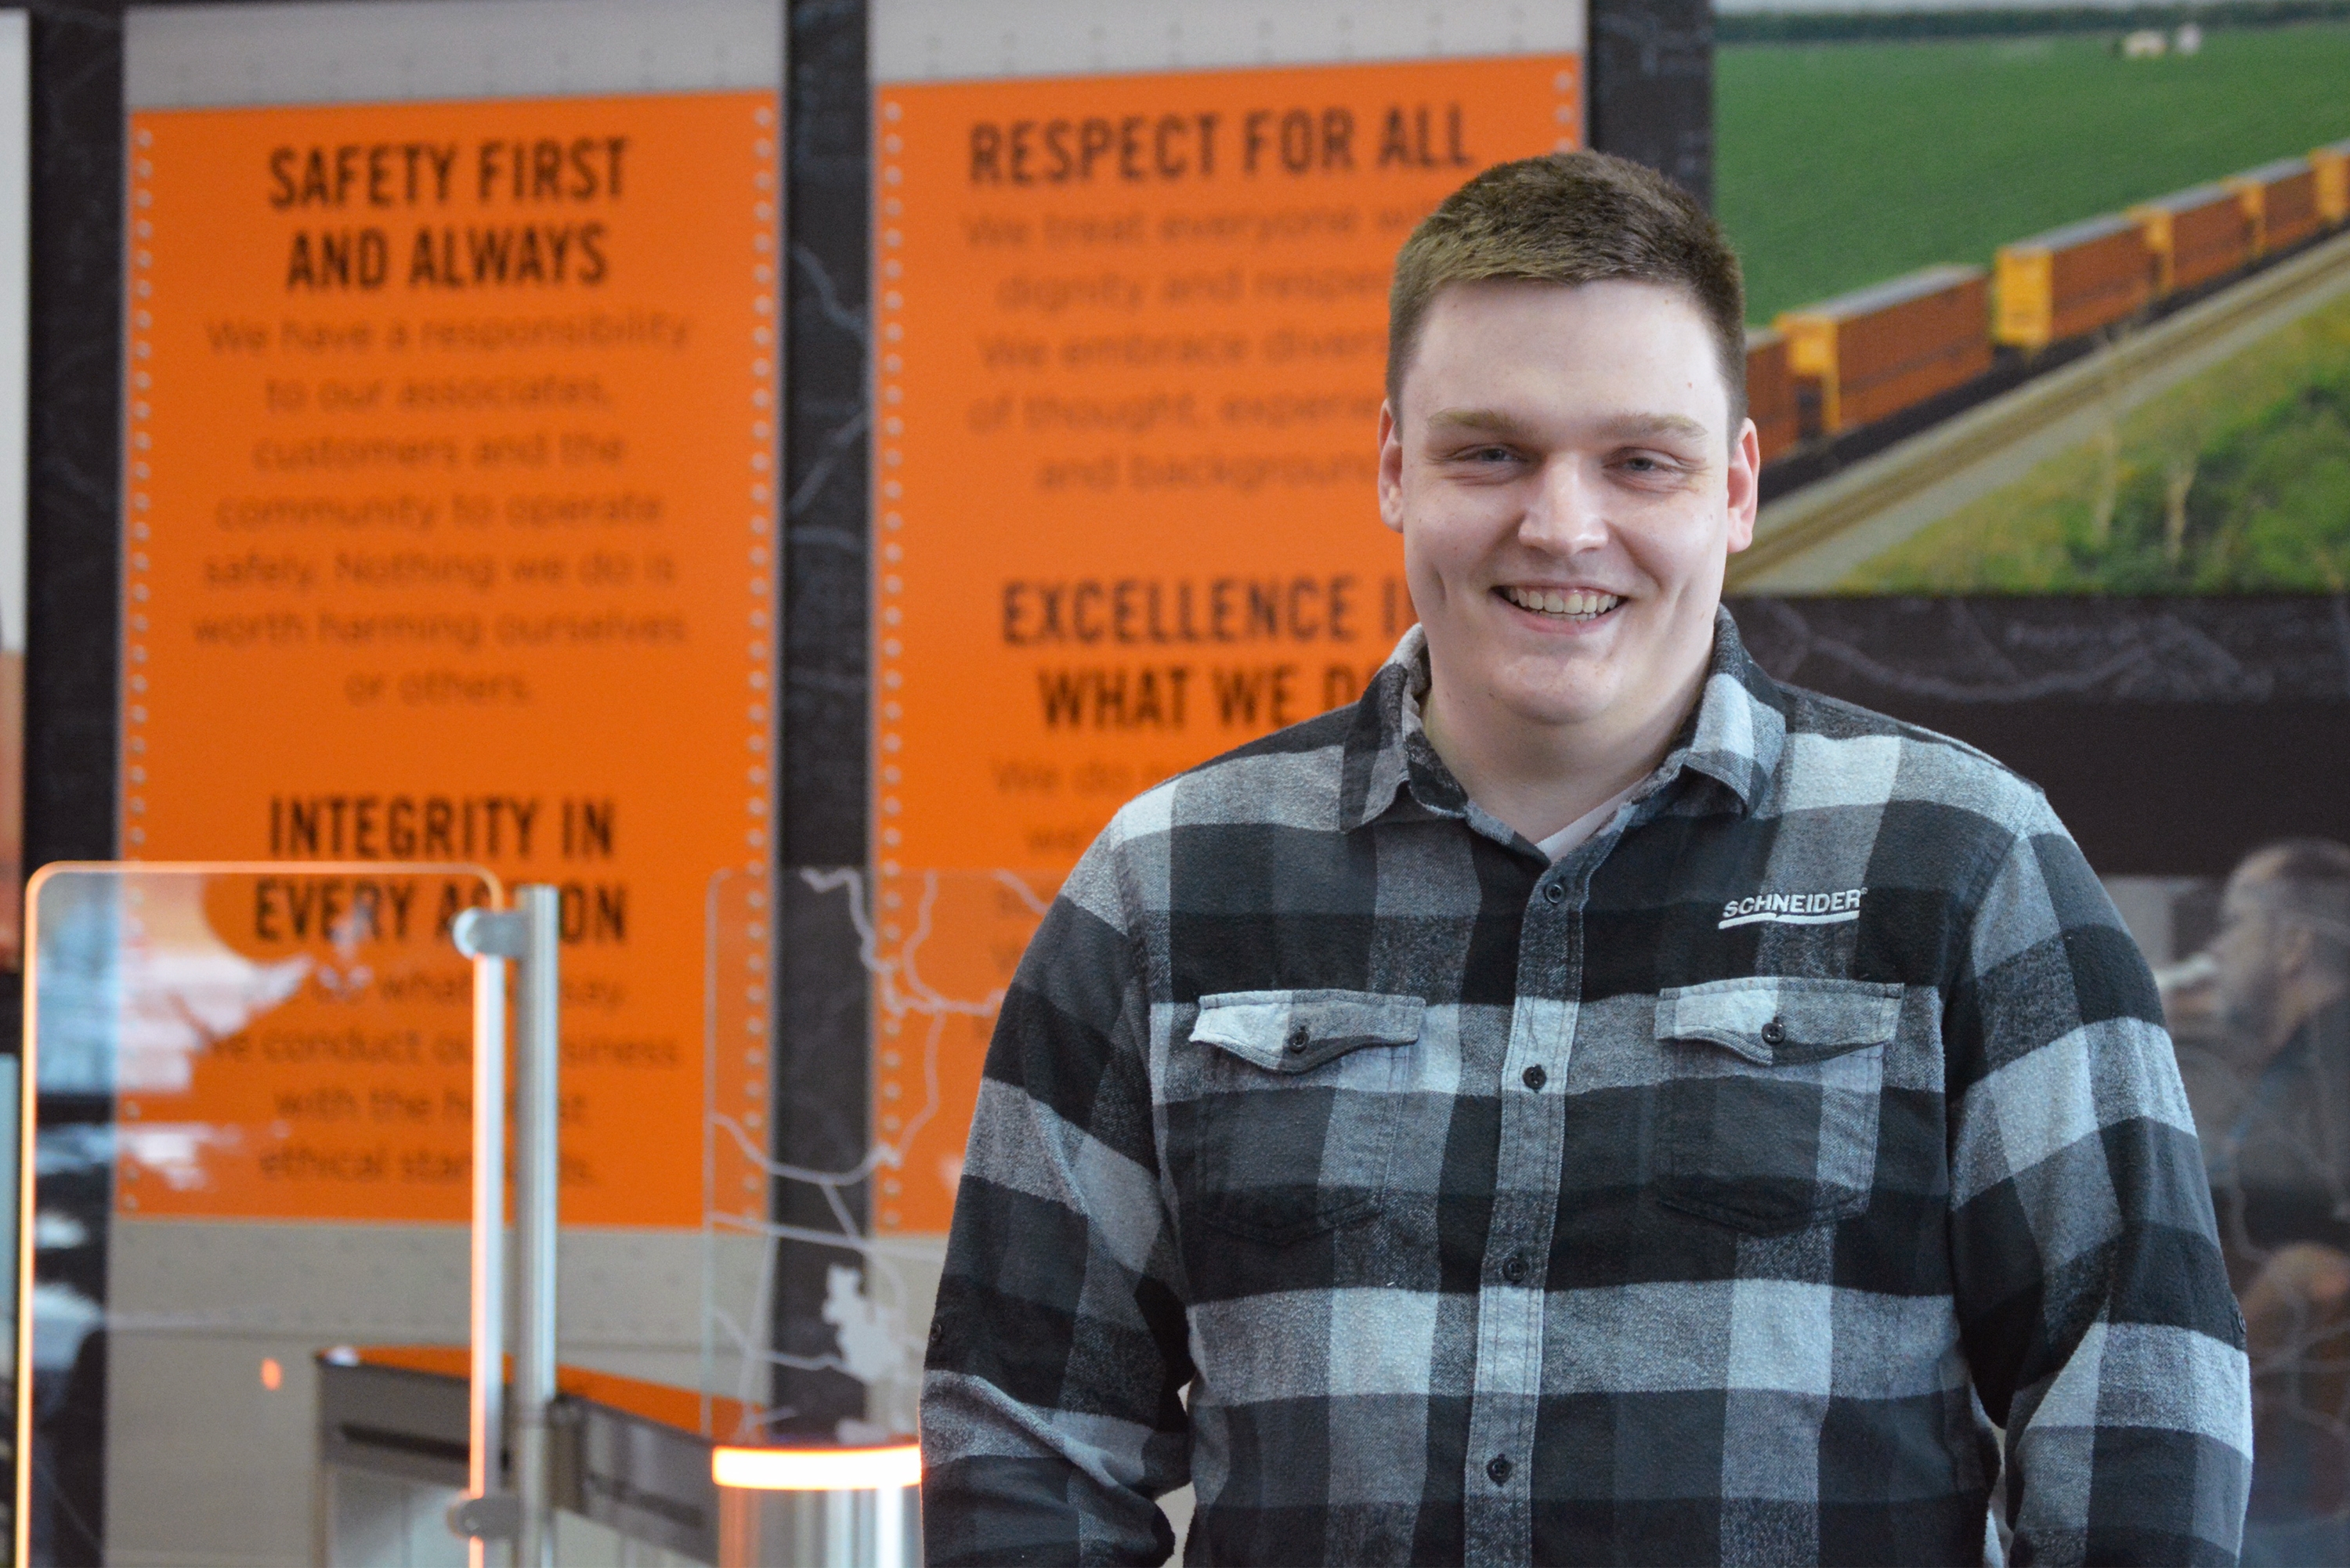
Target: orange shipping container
x,y
2071,280
2196,235
2331,164
1770,392
1884,348
2278,202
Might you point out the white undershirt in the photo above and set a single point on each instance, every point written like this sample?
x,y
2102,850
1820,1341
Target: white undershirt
x,y
1564,841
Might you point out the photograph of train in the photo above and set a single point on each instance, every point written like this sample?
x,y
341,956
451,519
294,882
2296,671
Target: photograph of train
x,y
2043,300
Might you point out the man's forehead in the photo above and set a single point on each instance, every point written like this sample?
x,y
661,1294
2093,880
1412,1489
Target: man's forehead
x,y
1662,312
1623,293
1615,303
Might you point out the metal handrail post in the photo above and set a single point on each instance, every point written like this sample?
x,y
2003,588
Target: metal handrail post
x,y
538,1170
485,1425
486,1513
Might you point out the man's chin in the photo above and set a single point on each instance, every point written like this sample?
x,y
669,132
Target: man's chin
x,y
1555,707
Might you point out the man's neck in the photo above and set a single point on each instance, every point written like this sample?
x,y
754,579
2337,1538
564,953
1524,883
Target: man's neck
x,y
1538,778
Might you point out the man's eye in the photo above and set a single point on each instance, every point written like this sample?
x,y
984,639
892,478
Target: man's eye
x,y
1650,465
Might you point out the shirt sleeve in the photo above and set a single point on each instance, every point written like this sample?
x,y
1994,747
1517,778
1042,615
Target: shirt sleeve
x,y
2092,1303
1052,1417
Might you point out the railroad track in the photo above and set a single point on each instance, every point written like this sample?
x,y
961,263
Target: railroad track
x,y
1823,514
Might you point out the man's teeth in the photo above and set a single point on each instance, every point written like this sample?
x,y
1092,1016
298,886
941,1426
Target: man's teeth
x,y
1575,602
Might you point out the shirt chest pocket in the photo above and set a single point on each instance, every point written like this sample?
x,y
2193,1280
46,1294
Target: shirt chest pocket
x,y
1767,1117
1293,1119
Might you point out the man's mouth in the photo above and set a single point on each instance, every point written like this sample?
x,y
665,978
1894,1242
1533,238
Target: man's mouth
x,y
1565,603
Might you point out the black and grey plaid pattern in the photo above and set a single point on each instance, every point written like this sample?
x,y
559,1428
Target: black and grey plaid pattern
x,y
1712,1196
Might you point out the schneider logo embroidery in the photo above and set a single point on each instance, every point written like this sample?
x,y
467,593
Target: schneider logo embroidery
x,y
1793,909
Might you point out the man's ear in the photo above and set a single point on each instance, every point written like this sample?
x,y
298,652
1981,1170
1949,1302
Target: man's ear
x,y
1391,467
1745,486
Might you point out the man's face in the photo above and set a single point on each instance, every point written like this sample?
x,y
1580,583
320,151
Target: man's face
x,y
1568,489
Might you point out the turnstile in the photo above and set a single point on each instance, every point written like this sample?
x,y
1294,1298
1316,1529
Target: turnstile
x,y
634,1483
278,1389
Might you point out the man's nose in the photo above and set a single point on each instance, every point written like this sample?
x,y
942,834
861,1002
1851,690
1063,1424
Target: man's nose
x,y
1567,512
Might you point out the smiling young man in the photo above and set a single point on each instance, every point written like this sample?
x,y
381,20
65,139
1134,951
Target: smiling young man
x,y
1585,1102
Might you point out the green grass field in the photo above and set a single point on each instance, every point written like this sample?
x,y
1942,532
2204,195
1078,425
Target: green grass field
x,y
2237,481
1838,165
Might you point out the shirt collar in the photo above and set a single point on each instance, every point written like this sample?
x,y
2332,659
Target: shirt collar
x,y
1735,736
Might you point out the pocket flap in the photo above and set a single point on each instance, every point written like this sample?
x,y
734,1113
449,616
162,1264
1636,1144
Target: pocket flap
x,y
1774,1022
1297,1031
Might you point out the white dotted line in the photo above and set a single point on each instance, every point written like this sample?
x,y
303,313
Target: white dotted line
x,y
755,1044
1568,112
136,562
891,673
135,554
762,559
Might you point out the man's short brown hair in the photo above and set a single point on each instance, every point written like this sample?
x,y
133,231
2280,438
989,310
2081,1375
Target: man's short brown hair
x,y
1570,218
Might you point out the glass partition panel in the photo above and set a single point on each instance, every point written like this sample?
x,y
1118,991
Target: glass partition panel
x,y
937,949
739,1259
2255,973
250,1118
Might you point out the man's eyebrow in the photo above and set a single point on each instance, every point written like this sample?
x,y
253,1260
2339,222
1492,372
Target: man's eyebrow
x,y
1622,426
1479,422
1633,427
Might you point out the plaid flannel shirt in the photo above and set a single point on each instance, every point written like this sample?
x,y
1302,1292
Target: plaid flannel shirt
x,y
1714,1195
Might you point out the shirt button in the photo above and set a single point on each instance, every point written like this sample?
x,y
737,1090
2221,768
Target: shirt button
x,y
1774,1033
1535,1077
1553,894
1498,1466
1514,1269
1299,1036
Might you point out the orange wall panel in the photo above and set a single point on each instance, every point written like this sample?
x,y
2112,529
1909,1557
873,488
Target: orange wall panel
x,y
1132,339
448,525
